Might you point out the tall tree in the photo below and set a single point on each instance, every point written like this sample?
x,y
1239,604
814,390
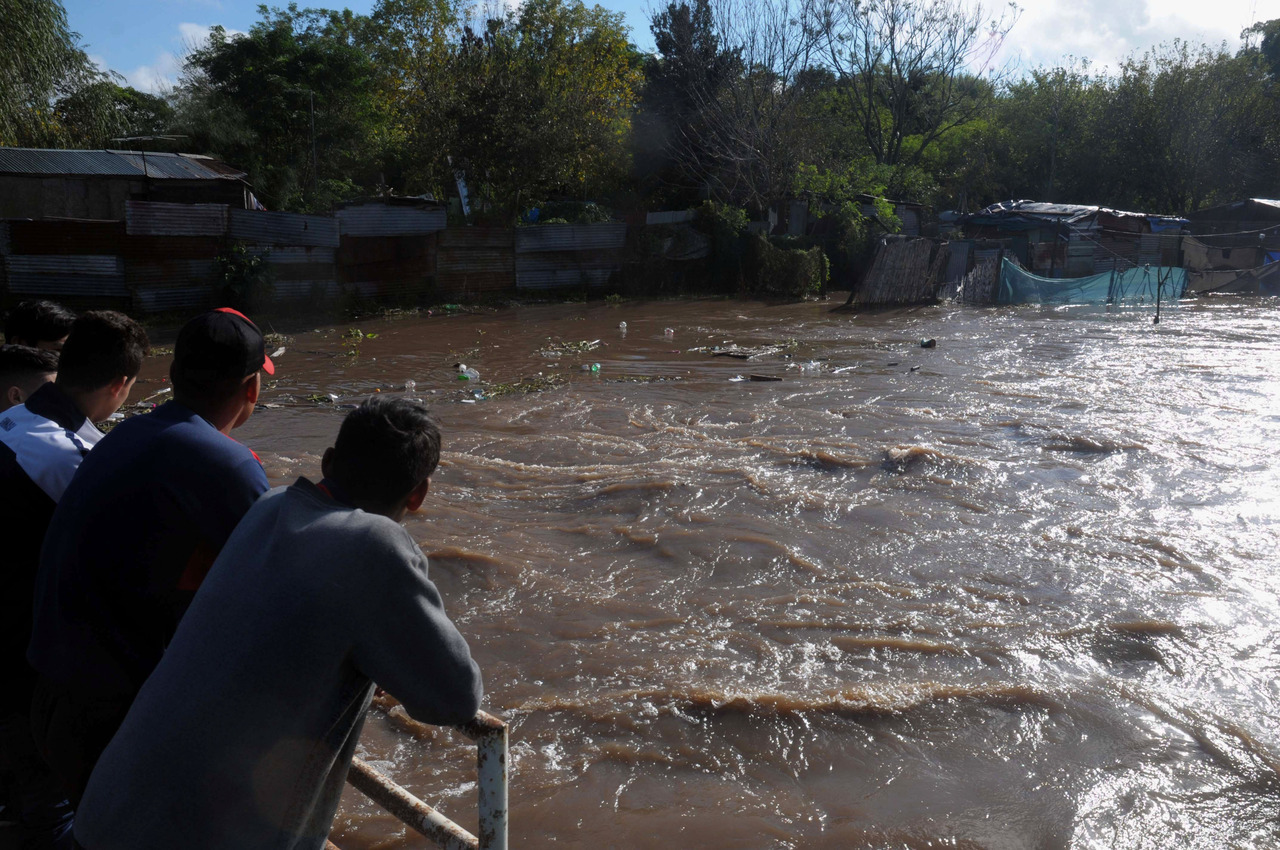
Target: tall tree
x,y
914,66
543,104
42,63
292,102
690,71
413,45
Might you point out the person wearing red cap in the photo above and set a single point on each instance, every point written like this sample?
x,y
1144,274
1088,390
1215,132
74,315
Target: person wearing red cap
x,y
133,536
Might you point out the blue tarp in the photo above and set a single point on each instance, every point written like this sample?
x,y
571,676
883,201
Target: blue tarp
x,y
1139,285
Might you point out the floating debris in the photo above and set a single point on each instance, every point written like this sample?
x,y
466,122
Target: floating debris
x,y
928,343
644,379
765,378
533,384
555,348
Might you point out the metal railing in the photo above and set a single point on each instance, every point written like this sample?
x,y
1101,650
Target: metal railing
x,y
490,735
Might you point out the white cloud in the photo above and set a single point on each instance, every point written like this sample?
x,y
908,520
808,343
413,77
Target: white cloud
x,y
1107,31
161,75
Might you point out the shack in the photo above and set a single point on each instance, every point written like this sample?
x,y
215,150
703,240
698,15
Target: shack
x,y
97,184
1247,217
1073,240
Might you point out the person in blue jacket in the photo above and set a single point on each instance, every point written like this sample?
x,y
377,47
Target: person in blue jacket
x,y
243,736
43,440
133,536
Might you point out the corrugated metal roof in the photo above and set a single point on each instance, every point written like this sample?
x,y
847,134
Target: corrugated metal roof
x,y
570,237
390,220
108,163
85,275
281,228
153,218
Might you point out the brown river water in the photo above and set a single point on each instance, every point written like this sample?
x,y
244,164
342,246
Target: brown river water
x,y
1016,591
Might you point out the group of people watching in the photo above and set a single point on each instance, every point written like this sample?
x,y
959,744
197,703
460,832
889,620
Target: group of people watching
x,y
188,656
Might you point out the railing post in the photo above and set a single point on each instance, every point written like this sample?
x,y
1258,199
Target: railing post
x,y
490,735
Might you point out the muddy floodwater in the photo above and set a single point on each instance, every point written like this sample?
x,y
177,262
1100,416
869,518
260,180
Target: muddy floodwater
x,y
1019,590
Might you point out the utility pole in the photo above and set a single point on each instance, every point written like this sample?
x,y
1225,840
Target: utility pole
x,y
315,175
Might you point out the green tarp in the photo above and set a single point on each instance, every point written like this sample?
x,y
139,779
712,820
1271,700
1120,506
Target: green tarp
x,y
1136,286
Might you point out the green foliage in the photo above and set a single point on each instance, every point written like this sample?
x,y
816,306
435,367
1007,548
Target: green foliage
x,y
48,85
252,99
543,104
785,271
246,279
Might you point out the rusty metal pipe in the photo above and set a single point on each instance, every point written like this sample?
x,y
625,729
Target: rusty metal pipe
x,y
491,765
408,808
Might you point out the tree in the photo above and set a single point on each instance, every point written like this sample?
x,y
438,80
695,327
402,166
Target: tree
x,y
689,71
738,130
42,63
914,68
413,45
292,103
543,104
103,112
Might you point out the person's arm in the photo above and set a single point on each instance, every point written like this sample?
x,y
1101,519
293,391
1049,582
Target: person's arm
x,y
408,645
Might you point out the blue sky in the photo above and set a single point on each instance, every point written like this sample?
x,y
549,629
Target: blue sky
x,y
144,39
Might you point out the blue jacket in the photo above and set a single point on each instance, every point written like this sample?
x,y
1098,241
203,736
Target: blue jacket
x,y
129,543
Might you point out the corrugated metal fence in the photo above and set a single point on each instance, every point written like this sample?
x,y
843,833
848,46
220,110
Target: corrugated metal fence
x,y
557,255
165,256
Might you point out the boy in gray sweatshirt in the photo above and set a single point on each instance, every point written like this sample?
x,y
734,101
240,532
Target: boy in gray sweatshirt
x,y
243,735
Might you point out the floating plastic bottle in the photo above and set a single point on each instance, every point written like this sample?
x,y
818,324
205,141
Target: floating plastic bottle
x,y
466,373
669,332
622,326
410,385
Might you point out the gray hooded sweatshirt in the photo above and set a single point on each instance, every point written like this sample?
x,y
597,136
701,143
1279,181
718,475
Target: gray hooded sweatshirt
x,y
243,735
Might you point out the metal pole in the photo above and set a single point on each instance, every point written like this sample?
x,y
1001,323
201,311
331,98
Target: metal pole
x,y
315,170
409,809
490,735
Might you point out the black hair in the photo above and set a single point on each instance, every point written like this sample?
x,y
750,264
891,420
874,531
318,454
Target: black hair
x,y
37,321
21,364
385,448
102,346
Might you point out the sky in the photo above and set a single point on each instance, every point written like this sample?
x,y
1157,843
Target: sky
x,y
143,40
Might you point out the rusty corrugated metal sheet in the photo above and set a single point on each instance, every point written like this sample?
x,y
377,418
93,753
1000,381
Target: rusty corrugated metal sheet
x,y
570,237
77,275
281,228
476,259
305,290
294,255
153,218
562,277
187,298
172,247
65,236
390,220
164,272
